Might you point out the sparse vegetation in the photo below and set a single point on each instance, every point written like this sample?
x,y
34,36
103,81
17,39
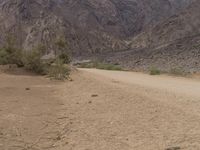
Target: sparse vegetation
x,y
154,71
65,58
177,72
9,54
99,65
173,71
3,57
86,65
59,70
108,66
197,46
31,60
62,47
61,44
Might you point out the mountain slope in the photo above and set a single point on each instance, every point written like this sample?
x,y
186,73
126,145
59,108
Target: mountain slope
x,y
185,24
89,26
173,43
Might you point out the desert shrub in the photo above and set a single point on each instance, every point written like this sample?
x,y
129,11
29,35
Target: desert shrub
x,y
108,66
197,46
86,65
11,56
65,58
33,62
99,65
154,71
177,72
41,48
59,70
61,46
4,57
15,56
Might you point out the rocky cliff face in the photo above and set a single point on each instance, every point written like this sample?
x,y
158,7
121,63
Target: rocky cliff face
x,y
89,26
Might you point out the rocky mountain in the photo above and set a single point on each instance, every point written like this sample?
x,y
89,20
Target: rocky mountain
x,y
134,33
181,25
89,26
172,43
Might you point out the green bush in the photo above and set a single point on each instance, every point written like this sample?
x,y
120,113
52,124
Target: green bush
x,y
61,43
65,58
10,55
33,62
16,57
4,57
154,71
58,70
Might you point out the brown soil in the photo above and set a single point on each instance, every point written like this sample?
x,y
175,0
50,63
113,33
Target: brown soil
x,y
99,110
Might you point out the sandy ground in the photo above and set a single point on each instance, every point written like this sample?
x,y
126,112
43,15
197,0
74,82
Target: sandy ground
x,y
99,110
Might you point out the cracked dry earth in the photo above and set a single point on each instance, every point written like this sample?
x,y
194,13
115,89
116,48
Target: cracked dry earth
x,y
99,110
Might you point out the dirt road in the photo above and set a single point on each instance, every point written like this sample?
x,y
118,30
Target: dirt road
x,y
177,85
99,110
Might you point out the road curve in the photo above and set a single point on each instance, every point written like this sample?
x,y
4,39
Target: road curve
x,y
177,85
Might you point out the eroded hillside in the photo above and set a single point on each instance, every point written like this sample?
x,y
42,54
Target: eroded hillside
x,y
89,26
